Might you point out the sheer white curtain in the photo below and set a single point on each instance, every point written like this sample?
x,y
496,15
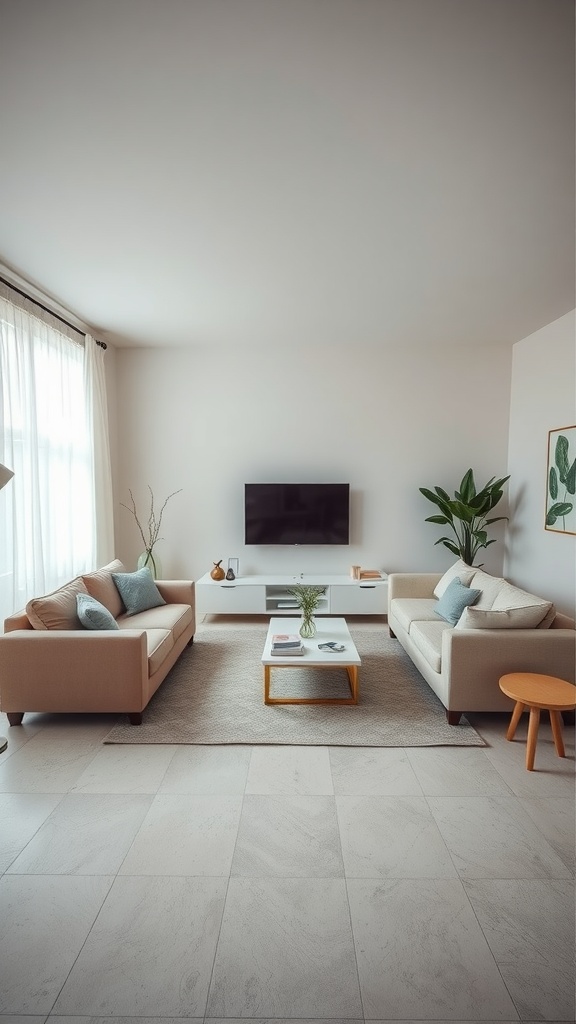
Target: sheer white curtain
x,y
97,414
50,402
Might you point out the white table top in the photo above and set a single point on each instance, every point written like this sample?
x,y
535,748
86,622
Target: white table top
x,y
327,628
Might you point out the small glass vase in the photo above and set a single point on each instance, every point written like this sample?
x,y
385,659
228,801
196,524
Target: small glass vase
x,y
151,561
307,627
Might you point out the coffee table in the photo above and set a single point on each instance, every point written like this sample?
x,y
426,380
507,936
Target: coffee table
x,y
327,629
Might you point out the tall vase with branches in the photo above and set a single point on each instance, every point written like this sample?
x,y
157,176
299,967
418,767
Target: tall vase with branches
x,y
307,598
151,536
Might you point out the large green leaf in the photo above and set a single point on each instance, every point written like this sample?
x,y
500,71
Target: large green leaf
x,y
561,457
467,487
561,508
496,519
462,511
571,479
441,520
430,495
553,483
449,544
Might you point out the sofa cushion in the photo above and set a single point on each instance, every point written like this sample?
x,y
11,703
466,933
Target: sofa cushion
x,y
454,600
92,614
510,596
459,571
410,609
101,586
490,587
174,617
507,618
58,609
138,590
427,638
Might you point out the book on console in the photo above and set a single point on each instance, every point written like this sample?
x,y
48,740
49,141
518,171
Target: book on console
x,y
285,640
287,652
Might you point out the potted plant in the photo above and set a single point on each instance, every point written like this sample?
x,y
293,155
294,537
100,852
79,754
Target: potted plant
x,y
307,598
466,514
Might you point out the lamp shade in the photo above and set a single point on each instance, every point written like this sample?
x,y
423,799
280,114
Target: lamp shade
x,y
5,475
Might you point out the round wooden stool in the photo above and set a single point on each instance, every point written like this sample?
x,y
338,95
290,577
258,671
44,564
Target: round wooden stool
x,y
535,692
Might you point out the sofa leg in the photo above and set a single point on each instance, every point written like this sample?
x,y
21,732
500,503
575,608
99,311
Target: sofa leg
x,y
453,717
190,642
135,718
393,635
15,717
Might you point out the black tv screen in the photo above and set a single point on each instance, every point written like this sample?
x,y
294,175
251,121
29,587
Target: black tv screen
x,y
296,513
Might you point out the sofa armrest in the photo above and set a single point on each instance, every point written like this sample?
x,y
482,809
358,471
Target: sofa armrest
x,y
412,584
73,670
474,659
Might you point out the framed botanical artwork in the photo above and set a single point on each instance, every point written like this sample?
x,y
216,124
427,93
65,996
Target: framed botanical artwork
x,y
561,481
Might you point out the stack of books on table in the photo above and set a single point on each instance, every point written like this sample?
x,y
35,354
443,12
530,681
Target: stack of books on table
x,y
286,644
370,574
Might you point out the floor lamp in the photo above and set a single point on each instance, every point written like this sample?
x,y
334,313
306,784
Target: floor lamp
x,y
5,475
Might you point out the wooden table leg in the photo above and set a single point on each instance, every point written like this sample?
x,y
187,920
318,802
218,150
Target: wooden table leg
x,y
533,724
266,684
556,723
516,716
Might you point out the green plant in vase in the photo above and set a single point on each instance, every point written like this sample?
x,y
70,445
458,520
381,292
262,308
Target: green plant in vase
x,y
466,513
307,597
149,558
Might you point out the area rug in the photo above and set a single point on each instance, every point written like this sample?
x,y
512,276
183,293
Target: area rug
x,y
215,694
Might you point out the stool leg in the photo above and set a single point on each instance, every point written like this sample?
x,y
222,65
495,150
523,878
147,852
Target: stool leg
x,y
516,716
533,724
556,723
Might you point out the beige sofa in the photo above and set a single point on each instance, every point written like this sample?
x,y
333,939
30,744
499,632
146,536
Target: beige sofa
x,y
462,663
73,669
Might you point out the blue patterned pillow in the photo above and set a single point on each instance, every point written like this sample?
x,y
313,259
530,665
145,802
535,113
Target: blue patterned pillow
x,y
138,590
94,615
454,600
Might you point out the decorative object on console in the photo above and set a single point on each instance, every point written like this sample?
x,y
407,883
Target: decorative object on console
x,y
466,514
148,558
233,567
307,598
217,573
369,574
230,574
561,481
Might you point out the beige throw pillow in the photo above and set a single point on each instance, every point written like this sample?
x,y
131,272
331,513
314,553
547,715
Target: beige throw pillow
x,y
101,586
459,571
507,618
57,610
490,587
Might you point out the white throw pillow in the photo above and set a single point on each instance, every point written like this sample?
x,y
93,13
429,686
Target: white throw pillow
x,y
528,617
490,587
459,571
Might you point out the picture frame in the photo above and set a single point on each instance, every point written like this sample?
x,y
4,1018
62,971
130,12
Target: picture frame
x,y
560,515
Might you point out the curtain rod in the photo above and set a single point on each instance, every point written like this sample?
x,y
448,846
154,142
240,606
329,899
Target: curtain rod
x,y
50,311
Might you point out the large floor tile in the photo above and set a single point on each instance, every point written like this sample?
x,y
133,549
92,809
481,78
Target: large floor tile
x,y
86,834
150,952
17,1018
57,1019
492,837
529,926
373,771
290,770
186,835
50,762
556,819
288,836
44,922
461,771
552,775
126,769
391,837
421,953
285,950
200,770
21,815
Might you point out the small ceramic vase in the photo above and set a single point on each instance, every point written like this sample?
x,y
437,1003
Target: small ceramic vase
x,y
218,572
230,574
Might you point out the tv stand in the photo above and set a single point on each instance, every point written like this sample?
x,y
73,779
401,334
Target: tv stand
x,y
269,595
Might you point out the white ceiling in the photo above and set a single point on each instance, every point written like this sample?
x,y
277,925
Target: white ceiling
x,y
291,172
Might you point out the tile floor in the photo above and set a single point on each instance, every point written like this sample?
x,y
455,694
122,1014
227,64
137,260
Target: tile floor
x,y
285,883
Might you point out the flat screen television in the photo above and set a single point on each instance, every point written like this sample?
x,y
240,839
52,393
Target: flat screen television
x,y
297,513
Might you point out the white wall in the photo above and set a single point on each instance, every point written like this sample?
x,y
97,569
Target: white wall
x,y
543,398
386,422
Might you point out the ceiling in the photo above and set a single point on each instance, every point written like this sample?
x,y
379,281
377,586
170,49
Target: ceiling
x,y
291,172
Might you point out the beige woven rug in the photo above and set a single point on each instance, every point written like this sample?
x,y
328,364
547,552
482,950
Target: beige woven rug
x,y
214,694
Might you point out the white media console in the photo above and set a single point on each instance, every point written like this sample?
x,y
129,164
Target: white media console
x,y
269,595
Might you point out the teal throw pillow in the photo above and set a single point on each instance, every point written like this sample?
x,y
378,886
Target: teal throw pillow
x,y
94,615
138,590
454,600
